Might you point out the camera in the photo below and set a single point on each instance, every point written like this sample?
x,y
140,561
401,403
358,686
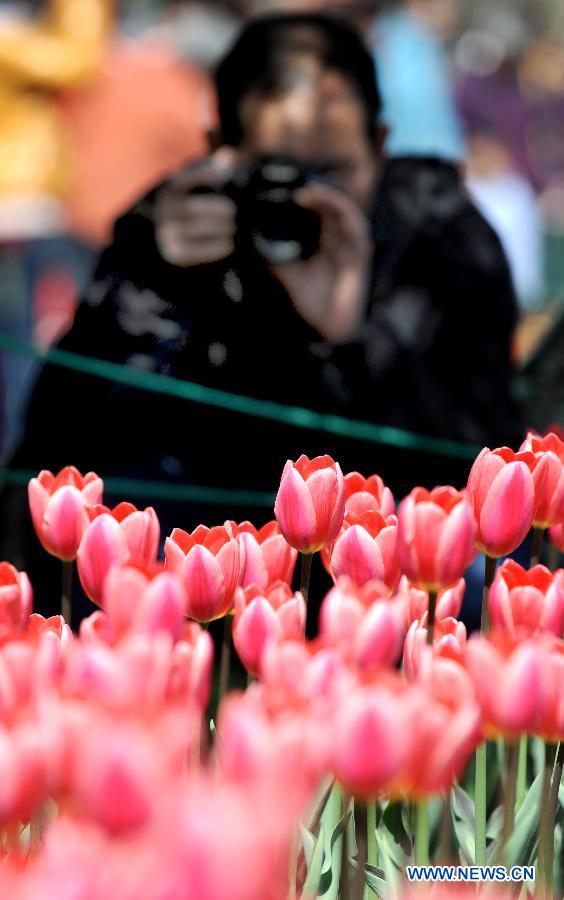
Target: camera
x,y
269,220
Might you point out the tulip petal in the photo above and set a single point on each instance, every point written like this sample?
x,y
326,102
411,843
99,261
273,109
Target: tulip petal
x,y
295,512
507,512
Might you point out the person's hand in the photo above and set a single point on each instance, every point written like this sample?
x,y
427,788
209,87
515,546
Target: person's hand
x,y
330,289
193,229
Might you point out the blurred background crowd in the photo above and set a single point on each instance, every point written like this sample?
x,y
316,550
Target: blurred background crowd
x,y
100,100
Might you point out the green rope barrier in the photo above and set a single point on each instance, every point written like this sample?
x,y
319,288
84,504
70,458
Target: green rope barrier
x,y
265,409
163,490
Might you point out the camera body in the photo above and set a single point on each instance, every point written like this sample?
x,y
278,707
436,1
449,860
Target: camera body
x,y
269,220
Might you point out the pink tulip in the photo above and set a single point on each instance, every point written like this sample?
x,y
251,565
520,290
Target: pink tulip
x,y
415,601
115,537
58,506
365,628
545,458
310,504
435,537
265,618
210,562
502,492
371,741
364,494
525,602
528,684
366,549
268,556
16,600
144,599
449,640
556,534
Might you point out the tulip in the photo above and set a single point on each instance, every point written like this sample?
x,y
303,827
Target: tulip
x,y
365,628
144,599
16,600
264,619
366,549
115,537
209,561
310,504
268,556
435,536
545,457
449,640
58,506
525,602
371,741
415,602
502,492
364,494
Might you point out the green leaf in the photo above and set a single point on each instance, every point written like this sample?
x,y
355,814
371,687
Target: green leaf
x,y
464,821
494,824
392,827
308,843
526,823
391,872
315,865
333,826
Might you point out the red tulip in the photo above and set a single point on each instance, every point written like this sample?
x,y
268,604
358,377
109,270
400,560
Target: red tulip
x,y
16,600
115,537
310,504
209,561
58,506
526,602
502,491
144,599
366,549
435,537
364,494
545,457
265,617
268,556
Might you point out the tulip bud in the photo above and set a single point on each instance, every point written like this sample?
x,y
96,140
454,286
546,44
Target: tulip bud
x,y
366,550
16,600
58,506
502,492
435,537
259,623
526,602
545,457
114,538
364,494
268,556
310,504
144,599
209,561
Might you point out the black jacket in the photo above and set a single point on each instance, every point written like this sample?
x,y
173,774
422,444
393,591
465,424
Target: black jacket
x,y
432,356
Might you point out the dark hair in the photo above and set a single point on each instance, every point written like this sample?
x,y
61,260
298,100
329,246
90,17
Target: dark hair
x,y
259,60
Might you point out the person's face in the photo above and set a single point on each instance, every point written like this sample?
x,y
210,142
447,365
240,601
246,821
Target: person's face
x,y
319,120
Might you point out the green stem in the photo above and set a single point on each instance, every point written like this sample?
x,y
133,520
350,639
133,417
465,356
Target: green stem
x,y
362,850
371,825
66,608
225,664
546,829
305,574
489,575
522,771
444,852
344,880
431,619
422,833
512,751
480,803
538,534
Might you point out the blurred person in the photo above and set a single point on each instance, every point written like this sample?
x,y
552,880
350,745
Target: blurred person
x,y
44,48
294,264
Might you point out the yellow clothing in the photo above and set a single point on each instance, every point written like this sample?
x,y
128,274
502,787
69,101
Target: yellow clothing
x,y
61,50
